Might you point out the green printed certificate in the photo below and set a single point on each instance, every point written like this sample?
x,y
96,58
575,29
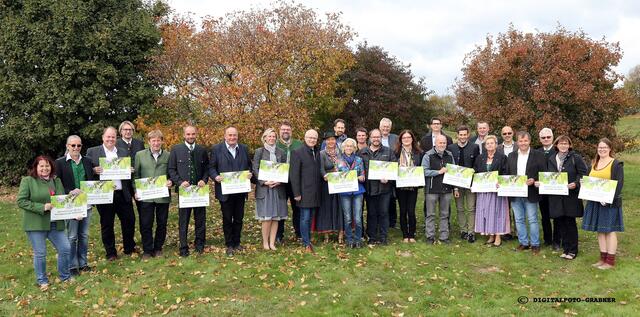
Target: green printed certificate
x,y
118,168
383,170
597,189
273,171
152,187
553,183
458,176
235,182
342,182
513,186
485,182
193,196
98,192
411,176
68,206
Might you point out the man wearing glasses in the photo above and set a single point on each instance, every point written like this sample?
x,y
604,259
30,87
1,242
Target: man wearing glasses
x,y
507,145
549,230
428,140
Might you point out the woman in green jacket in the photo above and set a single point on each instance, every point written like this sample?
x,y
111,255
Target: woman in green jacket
x,y
34,198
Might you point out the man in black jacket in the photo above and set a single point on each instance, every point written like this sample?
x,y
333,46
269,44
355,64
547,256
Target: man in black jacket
x,y
229,156
189,165
378,192
306,182
550,231
434,163
121,206
428,140
464,153
133,146
529,162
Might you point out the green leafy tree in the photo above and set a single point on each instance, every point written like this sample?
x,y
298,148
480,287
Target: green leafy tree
x,y
70,67
379,85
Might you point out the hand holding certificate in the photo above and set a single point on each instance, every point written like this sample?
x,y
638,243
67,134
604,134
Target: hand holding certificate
x,y
235,182
458,176
513,186
193,196
485,182
379,170
117,168
410,176
273,171
553,183
597,189
98,192
152,187
68,206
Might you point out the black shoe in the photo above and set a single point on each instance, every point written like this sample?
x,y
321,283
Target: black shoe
x,y
372,242
132,251
112,258
238,248
431,241
85,268
184,254
229,251
556,247
464,236
384,242
471,238
358,245
507,237
200,250
74,272
146,256
445,241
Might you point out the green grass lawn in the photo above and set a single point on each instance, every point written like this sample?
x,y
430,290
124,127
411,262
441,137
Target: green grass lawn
x,y
399,279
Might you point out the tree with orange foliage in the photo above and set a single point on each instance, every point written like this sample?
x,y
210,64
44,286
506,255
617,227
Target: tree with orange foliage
x,y
251,69
562,80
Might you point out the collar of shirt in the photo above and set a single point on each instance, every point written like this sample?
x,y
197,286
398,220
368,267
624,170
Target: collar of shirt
x,y
114,151
524,154
70,158
127,142
547,148
156,154
231,148
189,146
463,145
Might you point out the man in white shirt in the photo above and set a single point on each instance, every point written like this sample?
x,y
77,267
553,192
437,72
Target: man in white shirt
x,y
507,145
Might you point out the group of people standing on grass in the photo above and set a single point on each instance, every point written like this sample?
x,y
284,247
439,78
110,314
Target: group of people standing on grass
x,y
313,207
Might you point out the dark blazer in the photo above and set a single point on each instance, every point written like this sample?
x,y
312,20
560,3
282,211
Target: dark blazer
x,y
304,176
179,168
261,188
570,205
499,163
617,174
469,153
473,140
133,149
426,143
221,161
393,140
535,163
64,172
96,152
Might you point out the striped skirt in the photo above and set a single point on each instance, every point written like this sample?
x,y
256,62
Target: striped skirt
x,y
492,214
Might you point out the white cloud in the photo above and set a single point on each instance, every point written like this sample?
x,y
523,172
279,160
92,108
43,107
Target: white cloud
x,y
434,36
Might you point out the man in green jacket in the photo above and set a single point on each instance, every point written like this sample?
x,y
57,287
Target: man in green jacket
x,y
153,162
288,144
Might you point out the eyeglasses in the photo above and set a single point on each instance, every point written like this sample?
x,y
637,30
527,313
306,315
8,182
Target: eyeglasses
x,y
546,137
508,133
407,137
603,148
125,129
75,145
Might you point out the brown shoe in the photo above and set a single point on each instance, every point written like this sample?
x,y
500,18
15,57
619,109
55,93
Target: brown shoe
x,y
522,247
535,250
158,254
309,249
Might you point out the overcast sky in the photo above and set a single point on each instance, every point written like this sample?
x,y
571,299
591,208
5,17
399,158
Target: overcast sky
x,y
434,36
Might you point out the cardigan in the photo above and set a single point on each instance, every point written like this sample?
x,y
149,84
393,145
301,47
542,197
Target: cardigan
x,y
32,196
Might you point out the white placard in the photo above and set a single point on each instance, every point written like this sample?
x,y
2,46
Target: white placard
x,y
68,206
485,182
273,171
98,192
458,176
342,182
117,168
152,187
193,196
597,189
379,170
410,176
553,183
235,182
513,186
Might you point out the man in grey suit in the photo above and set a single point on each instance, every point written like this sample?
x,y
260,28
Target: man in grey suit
x,y
390,140
188,165
121,205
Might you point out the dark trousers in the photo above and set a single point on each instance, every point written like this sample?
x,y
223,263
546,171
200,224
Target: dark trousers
x,y
184,216
407,201
378,217
124,210
393,214
295,217
549,230
232,215
568,231
148,212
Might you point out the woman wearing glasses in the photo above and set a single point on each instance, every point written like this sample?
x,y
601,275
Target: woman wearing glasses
x,y
71,169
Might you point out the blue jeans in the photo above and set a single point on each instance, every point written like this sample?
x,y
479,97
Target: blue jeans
x,y
305,225
39,244
523,208
352,210
78,234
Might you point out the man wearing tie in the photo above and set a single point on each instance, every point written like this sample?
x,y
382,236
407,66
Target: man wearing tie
x,y
133,146
121,205
229,156
188,165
